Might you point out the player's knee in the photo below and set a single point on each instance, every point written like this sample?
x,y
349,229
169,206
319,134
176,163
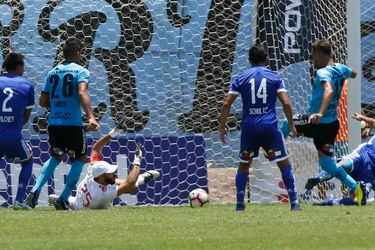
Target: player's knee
x,y
284,163
57,154
244,167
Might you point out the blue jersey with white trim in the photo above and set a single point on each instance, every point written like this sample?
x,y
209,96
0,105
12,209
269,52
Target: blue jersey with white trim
x,y
16,95
62,87
258,87
335,75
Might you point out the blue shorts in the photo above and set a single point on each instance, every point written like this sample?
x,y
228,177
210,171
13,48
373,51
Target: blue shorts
x,y
362,166
18,150
266,137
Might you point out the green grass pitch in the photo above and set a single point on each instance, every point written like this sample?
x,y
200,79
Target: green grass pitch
x,y
211,227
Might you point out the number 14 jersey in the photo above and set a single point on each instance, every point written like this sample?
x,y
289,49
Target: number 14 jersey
x,y
62,87
258,87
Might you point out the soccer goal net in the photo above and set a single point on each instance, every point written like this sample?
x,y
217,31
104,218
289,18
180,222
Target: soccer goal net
x,y
160,69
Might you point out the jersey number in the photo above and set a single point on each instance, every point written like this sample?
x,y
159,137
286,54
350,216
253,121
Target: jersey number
x,y
67,85
88,196
9,92
262,91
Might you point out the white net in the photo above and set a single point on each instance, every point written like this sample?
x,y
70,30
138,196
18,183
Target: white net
x,y
160,69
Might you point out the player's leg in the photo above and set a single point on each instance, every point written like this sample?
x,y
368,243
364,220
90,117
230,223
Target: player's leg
x,y
275,150
249,149
76,148
324,142
57,150
21,151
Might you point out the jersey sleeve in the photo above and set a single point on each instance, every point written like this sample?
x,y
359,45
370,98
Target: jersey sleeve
x,y
347,72
30,98
46,88
235,87
323,76
281,86
84,75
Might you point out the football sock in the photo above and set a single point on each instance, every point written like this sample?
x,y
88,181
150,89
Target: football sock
x,y
241,181
328,164
289,181
23,179
47,171
72,178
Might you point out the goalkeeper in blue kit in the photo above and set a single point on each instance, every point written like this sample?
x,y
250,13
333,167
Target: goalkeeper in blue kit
x,y
260,88
322,123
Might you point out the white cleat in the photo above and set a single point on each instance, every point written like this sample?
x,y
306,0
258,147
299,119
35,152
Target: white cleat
x,y
52,199
147,176
20,206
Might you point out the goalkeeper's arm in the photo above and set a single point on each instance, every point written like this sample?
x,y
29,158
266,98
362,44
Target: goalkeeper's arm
x,y
102,142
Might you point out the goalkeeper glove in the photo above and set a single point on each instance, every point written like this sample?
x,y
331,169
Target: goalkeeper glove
x,y
138,155
115,132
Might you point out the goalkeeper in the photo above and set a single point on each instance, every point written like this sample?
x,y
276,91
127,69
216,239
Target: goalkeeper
x,y
100,186
360,165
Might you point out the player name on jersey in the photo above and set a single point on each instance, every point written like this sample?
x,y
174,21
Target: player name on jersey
x,y
7,118
258,111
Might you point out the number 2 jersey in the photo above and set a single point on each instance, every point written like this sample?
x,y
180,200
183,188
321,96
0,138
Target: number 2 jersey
x,y
16,95
62,87
258,87
91,194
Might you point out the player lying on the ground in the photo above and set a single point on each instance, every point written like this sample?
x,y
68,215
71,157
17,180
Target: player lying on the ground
x,y
260,88
360,165
100,186
322,123
17,99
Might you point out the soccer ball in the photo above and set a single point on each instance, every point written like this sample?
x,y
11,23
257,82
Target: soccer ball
x,y
198,197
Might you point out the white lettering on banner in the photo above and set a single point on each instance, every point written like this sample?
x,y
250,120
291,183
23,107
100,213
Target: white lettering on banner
x,y
292,12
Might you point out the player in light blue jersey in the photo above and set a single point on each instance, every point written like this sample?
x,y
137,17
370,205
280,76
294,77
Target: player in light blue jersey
x,y
360,165
65,91
16,103
259,88
322,124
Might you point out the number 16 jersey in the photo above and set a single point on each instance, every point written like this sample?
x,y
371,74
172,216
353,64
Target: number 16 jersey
x,y
62,87
258,87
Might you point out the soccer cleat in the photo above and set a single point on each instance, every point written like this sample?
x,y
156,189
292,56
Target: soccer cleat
x,y
359,193
32,199
240,206
60,204
20,206
312,182
147,176
295,207
52,199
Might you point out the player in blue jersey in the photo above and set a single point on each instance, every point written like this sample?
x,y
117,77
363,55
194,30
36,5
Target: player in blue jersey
x,y
259,88
360,165
322,123
65,91
16,103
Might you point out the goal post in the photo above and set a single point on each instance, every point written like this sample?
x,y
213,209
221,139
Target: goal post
x,y
354,61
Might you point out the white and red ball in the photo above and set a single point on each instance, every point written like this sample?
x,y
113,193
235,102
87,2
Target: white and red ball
x,y
198,197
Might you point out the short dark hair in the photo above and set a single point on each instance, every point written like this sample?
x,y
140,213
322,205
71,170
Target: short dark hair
x,y
12,60
71,47
257,54
323,46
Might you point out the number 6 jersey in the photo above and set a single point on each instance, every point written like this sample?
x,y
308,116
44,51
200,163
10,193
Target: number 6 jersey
x,y
62,87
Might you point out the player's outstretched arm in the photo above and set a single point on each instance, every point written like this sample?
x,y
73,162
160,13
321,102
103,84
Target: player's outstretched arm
x,y
85,102
103,141
229,99
288,110
369,121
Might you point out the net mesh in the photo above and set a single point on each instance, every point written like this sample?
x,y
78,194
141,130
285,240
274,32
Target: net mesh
x,y
160,69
